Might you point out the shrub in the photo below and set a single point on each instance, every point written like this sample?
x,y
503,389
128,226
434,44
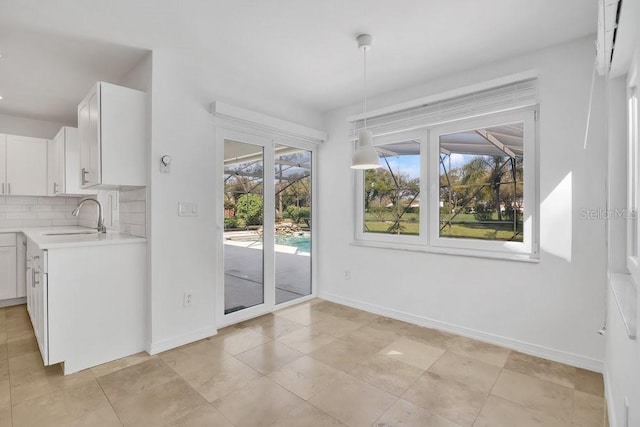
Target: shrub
x,y
298,214
249,209
230,223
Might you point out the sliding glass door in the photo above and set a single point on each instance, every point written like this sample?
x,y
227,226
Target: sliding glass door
x,y
265,223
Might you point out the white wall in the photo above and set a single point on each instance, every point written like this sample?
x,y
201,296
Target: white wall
x,y
622,372
29,127
183,248
552,308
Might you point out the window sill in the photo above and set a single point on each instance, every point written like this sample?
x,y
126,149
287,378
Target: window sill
x,y
625,294
474,253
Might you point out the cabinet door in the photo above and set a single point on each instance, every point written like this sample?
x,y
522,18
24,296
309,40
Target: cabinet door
x,y
21,265
7,272
3,164
89,131
41,315
26,166
52,168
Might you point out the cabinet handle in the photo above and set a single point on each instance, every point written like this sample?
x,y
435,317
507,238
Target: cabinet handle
x,y
84,174
3,188
35,281
55,188
9,188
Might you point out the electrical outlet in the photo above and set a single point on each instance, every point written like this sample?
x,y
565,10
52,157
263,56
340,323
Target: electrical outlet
x,y
187,300
347,274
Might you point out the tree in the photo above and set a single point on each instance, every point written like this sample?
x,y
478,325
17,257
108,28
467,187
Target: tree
x,y
249,208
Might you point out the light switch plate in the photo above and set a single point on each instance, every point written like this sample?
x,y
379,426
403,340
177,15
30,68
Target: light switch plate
x,y
188,209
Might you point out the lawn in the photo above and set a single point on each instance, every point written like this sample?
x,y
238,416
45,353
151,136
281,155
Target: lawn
x,y
463,226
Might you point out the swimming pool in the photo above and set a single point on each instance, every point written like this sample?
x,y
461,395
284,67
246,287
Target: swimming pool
x,y
301,242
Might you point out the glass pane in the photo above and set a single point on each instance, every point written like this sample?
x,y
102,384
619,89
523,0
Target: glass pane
x,y
293,223
391,192
243,221
482,183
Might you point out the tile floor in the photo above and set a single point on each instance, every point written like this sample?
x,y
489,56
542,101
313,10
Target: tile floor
x,y
315,364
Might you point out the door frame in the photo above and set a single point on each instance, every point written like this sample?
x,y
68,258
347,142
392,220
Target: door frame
x,y
268,140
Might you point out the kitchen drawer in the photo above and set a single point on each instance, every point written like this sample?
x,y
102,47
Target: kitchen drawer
x,y
7,239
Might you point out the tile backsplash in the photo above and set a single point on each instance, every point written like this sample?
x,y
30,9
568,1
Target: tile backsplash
x,y
133,212
24,211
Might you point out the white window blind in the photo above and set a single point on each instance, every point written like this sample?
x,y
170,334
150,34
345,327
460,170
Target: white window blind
x,y
512,96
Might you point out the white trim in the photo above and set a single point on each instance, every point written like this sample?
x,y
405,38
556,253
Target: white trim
x,y
177,341
224,110
454,93
524,347
13,301
608,394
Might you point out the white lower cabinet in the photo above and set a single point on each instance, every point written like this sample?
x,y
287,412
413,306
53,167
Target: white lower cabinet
x,y
8,266
87,304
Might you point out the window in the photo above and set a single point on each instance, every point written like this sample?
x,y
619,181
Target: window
x,y
391,193
461,180
632,185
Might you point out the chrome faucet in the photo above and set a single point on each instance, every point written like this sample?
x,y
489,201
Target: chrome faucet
x,y
101,228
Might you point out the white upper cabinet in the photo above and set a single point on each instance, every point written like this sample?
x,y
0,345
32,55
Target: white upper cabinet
x,y
64,164
113,135
23,166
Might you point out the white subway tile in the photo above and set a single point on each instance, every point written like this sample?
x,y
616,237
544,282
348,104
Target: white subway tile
x,y
6,223
37,222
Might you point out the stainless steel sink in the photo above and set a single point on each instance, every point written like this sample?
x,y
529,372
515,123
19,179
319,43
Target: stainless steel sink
x,y
69,233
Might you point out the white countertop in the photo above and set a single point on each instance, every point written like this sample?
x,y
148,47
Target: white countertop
x,y
44,238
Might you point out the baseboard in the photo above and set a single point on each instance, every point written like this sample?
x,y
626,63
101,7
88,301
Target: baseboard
x,y
13,301
611,413
524,347
168,344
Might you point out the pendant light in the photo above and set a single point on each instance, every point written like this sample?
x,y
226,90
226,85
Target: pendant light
x,y
365,156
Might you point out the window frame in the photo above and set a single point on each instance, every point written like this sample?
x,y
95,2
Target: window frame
x,y
633,121
429,239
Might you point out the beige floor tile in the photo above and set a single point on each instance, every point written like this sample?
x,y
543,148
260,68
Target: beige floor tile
x,y
307,415
543,369
29,378
220,378
23,346
404,413
345,312
336,326
275,326
368,335
259,403
20,332
306,376
589,382
304,315
61,407
447,398
5,417
5,394
305,340
122,363
134,379
498,412
414,353
432,337
157,405
543,396
466,370
4,369
488,353
353,401
202,416
389,374
240,340
195,356
343,355
588,409
269,357
103,417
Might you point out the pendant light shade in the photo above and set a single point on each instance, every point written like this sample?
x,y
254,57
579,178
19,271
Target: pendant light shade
x,y
365,156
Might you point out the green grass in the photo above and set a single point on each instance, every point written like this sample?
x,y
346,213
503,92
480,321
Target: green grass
x,y
464,226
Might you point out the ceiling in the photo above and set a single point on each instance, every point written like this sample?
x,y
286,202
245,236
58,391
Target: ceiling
x,y
302,51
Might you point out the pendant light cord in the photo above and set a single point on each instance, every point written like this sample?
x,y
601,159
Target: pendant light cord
x,y
365,87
